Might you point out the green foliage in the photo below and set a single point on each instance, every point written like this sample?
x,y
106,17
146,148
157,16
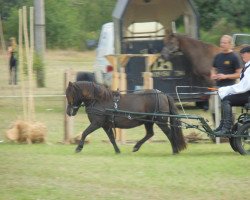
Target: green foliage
x,y
76,22
62,25
69,23
221,27
10,27
9,14
39,69
233,11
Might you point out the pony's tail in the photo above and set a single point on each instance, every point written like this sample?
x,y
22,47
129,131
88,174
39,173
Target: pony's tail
x,y
176,129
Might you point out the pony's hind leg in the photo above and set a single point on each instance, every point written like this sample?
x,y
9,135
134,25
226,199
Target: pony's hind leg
x,y
149,134
90,129
167,131
110,134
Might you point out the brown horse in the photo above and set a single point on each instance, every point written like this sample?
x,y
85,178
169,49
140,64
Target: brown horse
x,y
98,99
200,54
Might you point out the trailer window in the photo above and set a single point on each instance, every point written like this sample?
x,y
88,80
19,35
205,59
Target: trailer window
x,y
145,31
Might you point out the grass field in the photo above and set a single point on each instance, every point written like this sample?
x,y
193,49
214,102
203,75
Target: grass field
x,y
53,171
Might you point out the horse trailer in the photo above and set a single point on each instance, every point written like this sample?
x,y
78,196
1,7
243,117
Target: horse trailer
x,y
139,27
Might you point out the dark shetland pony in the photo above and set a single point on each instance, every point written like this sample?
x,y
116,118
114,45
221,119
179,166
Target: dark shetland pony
x,y
97,99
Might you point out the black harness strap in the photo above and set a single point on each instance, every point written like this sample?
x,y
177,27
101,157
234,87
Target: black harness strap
x,y
116,99
157,103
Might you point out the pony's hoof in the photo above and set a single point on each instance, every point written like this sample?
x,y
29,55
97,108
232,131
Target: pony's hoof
x,y
78,150
135,149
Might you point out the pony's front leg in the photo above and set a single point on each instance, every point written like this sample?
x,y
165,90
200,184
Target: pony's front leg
x,y
110,134
91,128
149,134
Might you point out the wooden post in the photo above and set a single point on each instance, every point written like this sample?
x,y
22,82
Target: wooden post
x,y
68,121
115,81
115,85
147,80
150,59
30,65
20,63
123,87
119,81
29,48
217,114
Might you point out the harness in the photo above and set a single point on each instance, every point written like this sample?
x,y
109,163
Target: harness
x,y
116,100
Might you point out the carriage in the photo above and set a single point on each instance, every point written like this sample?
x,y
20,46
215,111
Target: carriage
x,y
108,110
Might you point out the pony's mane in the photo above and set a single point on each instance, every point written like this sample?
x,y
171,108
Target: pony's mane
x,y
194,42
95,91
191,43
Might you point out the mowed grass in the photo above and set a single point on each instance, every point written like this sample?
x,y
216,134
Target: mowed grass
x,y
54,171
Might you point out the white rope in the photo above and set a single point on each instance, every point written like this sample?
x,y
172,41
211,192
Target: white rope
x,y
176,90
177,93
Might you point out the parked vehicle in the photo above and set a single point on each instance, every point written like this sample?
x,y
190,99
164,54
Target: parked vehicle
x,y
102,68
241,39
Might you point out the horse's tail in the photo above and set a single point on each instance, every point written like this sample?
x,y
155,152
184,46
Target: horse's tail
x,y
175,123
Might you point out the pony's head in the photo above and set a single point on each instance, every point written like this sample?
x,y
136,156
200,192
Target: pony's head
x,y
73,98
171,45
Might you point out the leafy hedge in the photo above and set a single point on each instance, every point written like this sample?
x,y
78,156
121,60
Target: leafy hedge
x,y
70,23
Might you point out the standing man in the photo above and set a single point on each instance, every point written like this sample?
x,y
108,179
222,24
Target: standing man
x,y
226,68
235,95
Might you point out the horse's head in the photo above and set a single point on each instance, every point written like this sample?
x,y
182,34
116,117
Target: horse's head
x,y
74,98
171,45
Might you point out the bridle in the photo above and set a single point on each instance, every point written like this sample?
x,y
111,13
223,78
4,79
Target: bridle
x,y
84,101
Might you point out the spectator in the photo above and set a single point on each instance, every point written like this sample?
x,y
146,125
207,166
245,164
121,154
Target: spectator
x,y
226,69
12,54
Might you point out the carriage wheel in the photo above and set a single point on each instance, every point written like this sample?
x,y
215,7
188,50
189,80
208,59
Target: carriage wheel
x,y
232,139
233,144
243,143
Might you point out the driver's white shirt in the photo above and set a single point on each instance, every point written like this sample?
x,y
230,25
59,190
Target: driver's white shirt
x,y
240,87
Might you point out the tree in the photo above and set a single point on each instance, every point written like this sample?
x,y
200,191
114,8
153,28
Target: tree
x,y
62,24
233,11
69,23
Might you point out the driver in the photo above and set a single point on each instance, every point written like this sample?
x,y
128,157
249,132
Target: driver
x,y
235,95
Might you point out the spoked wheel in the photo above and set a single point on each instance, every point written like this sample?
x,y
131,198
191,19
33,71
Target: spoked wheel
x,y
243,143
233,143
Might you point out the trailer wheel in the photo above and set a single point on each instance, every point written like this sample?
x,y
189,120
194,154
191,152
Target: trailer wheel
x,y
243,143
